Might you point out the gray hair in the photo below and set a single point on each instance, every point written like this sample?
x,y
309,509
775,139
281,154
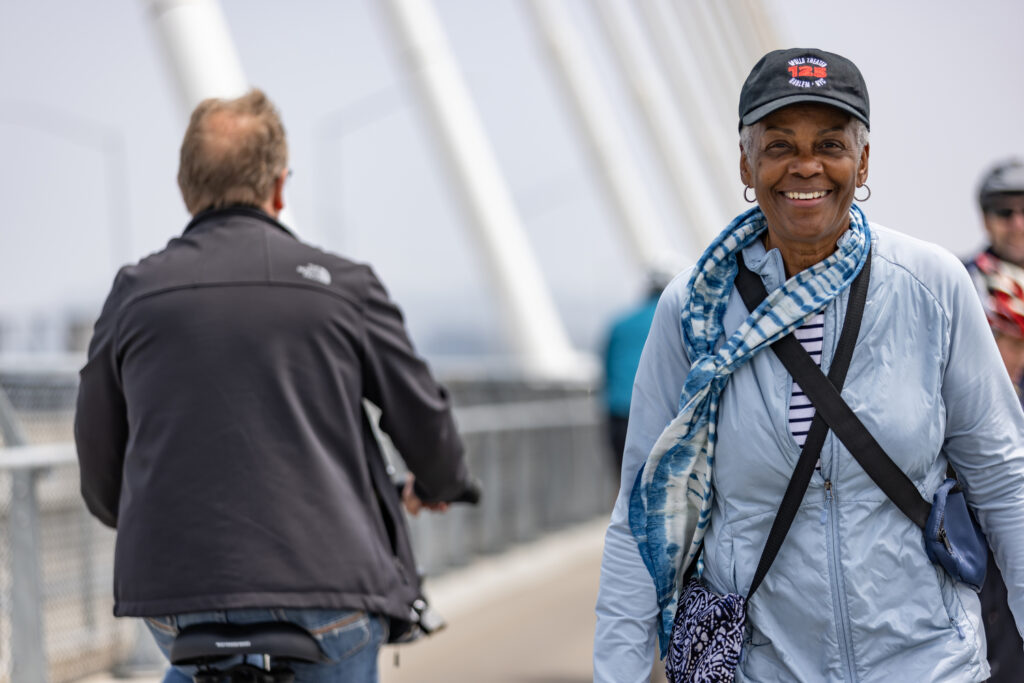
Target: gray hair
x,y
860,132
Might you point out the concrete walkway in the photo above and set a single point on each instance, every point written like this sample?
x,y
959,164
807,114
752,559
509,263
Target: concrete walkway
x,y
524,616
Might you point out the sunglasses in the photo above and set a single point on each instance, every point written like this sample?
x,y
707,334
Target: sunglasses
x,y
1006,212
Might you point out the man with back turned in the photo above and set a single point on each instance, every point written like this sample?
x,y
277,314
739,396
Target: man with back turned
x,y
221,425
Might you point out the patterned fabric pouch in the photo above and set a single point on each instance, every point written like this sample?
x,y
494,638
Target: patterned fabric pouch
x,y
707,633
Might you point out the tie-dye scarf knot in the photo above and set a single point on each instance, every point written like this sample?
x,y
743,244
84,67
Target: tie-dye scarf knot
x,y
670,505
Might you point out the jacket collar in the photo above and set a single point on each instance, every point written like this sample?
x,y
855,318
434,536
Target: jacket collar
x,y
220,216
767,264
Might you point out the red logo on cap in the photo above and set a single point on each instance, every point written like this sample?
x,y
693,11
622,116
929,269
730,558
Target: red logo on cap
x,y
806,72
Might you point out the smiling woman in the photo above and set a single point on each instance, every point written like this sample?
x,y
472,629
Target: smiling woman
x,y
846,589
804,163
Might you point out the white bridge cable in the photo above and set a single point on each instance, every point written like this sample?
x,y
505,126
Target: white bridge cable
x,y
536,328
739,17
634,207
199,48
689,52
759,26
700,197
721,23
683,61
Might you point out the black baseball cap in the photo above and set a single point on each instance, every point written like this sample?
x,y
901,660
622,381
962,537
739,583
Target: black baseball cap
x,y
785,77
1006,177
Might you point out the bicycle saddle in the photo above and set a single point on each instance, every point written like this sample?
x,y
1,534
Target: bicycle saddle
x,y
206,643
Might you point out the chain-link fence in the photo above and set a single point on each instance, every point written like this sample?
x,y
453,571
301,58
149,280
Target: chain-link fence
x,y
538,449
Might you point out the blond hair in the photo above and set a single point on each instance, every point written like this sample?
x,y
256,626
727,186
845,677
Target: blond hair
x,y
232,153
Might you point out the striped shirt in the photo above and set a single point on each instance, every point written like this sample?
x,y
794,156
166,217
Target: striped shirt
x,y
801,411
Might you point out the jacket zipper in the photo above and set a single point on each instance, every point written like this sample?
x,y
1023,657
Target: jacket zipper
x,y
945,539
838,596
828,502
942,532
949,549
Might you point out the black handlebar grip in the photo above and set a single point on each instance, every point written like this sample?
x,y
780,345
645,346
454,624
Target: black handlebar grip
x,y
470,493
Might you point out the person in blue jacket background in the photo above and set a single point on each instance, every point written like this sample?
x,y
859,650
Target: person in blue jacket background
x,y
622,350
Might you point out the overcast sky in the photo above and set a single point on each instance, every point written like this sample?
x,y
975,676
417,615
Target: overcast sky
x,y
90,123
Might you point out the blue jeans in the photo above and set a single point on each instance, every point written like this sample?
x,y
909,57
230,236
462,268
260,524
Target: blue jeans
x,y
350,638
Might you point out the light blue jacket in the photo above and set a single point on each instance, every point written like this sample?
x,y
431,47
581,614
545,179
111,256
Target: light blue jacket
x,y
852,595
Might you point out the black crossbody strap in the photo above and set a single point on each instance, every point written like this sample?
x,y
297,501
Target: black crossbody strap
x,y
753,292
847,426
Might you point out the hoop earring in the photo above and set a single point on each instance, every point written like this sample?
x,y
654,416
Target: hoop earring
x,y
865,186
746,198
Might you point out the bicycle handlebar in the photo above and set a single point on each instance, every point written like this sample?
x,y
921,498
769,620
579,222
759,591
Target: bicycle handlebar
x,y
471,492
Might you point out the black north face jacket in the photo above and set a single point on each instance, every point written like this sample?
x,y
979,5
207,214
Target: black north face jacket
x,y
220,427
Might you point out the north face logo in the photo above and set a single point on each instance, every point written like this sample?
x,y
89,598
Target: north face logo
x,y
314,271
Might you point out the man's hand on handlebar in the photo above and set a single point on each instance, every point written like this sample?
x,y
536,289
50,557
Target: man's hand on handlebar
x,y
406,486
413,503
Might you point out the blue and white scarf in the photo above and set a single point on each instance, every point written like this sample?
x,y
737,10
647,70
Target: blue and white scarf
x,y
670,503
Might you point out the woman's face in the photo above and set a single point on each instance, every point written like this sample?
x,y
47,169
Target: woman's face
x,y
804,167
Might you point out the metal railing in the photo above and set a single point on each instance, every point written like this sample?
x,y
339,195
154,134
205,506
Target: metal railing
x,y
539,450
57,562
